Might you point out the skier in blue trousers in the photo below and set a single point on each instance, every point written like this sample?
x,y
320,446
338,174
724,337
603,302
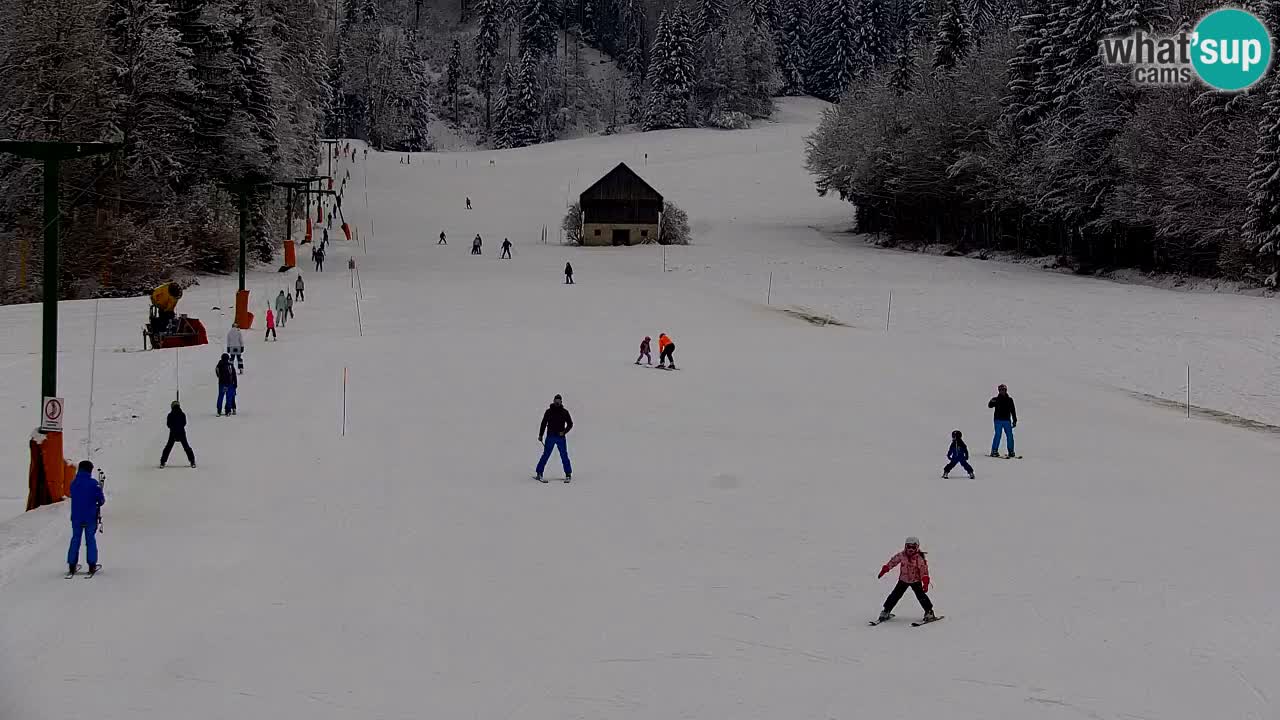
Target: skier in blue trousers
x,y
1005,416
556,423
86,498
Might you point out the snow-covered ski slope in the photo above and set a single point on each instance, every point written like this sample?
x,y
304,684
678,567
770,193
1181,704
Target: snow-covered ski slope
x,y
716,555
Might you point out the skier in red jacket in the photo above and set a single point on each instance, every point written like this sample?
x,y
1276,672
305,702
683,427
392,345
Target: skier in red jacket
x,y
914,574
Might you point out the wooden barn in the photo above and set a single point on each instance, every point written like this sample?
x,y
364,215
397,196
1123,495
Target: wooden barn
x,y
620,209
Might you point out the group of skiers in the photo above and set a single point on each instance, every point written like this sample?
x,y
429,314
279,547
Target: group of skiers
x,y
283,311
1005,417
666,352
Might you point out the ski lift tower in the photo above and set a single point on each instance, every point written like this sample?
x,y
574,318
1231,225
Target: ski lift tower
x,y
47,462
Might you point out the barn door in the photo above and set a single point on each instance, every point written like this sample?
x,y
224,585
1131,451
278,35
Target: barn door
x,y
621,236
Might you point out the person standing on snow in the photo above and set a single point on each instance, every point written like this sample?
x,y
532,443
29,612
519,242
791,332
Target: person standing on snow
x,y
506,248
282,316
442,240
177,422
288,304
320,259
568,274
1006,419
667,352
475,245
235,346
644,352
468,203
271,326
86,498
299,286
556,423
227,384
914,574
958,453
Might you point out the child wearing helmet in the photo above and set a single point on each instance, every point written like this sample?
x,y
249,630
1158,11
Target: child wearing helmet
x,y
914,574
644,352
958,453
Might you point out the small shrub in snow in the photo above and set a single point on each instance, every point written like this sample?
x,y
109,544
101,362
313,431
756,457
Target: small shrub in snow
x,y
675,225
731,120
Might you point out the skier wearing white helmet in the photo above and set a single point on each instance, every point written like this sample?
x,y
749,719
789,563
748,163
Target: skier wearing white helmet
x,y
914,574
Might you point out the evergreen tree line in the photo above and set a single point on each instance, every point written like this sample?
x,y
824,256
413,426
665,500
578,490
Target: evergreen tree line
x,y
197,93
516,72
990,126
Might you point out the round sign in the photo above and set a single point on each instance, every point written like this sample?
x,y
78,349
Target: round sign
x,y
53,410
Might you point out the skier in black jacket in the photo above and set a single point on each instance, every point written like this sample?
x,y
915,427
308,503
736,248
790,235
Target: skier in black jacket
x,y
177,422
227,384
556,423
1006,419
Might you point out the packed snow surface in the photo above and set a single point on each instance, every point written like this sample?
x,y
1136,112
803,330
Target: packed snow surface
x,y
716,554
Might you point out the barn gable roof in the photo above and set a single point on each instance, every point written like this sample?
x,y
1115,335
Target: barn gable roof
x,y
621,183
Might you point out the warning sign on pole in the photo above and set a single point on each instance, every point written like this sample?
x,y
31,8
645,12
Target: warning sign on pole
x,y
51,415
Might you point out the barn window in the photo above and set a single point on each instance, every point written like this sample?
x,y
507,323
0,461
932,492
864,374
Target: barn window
x,y
597,231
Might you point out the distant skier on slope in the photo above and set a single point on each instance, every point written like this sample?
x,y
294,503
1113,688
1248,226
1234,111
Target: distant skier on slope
x,y
271,326
475,245
235,346
442,240
288,304
568,274
282,314
227,384
958,453
86,498
506,248
177,422
914,574
644,352
556,424
300,286
1006,419
468,203
666,352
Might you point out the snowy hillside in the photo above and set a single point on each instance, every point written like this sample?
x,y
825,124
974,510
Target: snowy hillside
x,y
716,553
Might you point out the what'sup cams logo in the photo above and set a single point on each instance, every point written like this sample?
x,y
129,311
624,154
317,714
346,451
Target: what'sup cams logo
x,y
1229,49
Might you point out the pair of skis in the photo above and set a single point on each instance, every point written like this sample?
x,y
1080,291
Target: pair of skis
x,y
92,571
873,623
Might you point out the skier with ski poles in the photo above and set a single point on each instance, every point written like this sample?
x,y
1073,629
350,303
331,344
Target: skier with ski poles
x,y
556,424
86,499
914,574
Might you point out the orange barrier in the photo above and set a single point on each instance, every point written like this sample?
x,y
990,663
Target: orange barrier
x,y
308,230
346,230
290,254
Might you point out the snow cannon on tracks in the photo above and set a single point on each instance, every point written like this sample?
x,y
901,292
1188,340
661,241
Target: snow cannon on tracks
x,y
165,328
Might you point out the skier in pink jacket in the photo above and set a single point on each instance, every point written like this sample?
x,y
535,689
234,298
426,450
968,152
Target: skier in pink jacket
x,y
914,574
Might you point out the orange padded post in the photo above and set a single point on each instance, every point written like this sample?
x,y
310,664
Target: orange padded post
x,y
290,254
346,230
244,318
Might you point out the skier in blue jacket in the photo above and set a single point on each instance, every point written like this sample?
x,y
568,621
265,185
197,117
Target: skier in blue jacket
x,y
957,454
86,498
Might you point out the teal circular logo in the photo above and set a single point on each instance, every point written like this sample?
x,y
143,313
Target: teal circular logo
x,y
1231,49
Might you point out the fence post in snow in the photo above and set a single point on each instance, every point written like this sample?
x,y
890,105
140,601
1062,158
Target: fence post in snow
x,y
888,312
1188,391
344,402
768,298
